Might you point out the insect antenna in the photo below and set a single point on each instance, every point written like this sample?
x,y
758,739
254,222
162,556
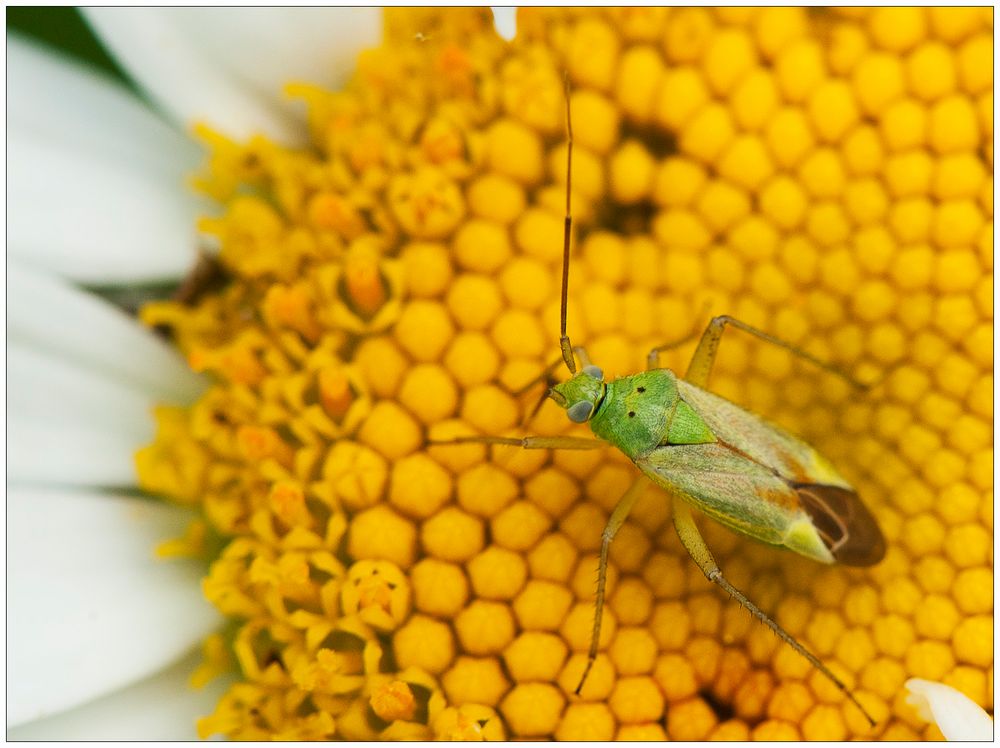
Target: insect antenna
x,y
564,344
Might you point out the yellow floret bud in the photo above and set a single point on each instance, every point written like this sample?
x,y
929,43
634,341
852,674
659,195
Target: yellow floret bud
x,y
631,169
729,57
636,699
533,709
973,641
424,330
382,364
475,680
824,722
526,283
638,78
974,63
953,125
682,93
470,722
833,110
535,656
800,69
496,198
898,29
878,80
390,430
539,233
482,246
633,651
428,268
632,600
542,605
452,535
439,588
929,659
497,574
691,719
709,133
420,486
380,533
424,643
474,300
515,151
484,627
519,526
775,730
593,721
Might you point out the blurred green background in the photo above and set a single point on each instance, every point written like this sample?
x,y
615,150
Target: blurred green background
x,y
65,29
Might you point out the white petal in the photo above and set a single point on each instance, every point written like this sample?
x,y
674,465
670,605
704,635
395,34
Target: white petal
x,y
49,390
163,707
181,79
80,109
90,608
79,216
956,715
505,21
68,454
50,316
265,48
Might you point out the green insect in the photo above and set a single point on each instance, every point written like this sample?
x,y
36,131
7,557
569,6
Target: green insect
x,y
749,475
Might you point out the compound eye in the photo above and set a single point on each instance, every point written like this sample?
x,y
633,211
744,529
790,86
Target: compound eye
x,y
594,371
580,412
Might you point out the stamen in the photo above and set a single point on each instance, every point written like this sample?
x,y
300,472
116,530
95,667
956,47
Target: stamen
x,y
394,701
335,392
365,285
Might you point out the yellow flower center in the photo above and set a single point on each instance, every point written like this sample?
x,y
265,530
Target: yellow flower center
x,y
824,175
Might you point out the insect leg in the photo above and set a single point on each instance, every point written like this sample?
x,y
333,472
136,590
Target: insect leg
x,y
528,442
618,517
695,545
704,356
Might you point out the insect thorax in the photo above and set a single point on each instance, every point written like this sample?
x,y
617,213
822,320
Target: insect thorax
x,y
636,412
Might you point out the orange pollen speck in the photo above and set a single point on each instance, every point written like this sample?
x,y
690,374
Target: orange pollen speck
x,y
239,365
364,284
335,392
441,143
374,592
289,503
258,443
290,305
394,701
466,728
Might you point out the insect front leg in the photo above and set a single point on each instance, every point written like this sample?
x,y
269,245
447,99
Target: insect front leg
x,y
703,359
618,517
527,442
696,547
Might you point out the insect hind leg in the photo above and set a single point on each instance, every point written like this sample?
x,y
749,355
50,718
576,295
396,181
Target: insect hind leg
x,y
617,519
700,368
696,547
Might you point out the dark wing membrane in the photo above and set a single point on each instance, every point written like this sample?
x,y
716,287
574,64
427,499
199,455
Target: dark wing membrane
x,y
844,523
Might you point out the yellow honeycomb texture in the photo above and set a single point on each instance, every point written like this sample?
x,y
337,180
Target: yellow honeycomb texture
x,y
823,174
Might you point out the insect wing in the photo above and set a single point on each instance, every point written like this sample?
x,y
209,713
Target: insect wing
x,y
737,492
759,440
